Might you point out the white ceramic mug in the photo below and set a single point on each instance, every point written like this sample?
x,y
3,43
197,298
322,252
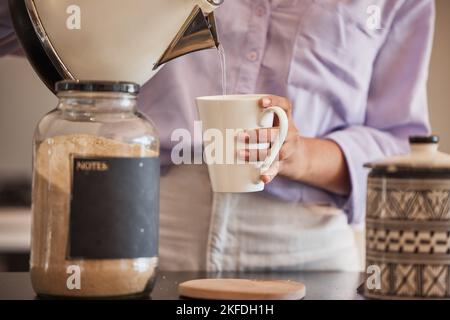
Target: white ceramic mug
x,y
225,115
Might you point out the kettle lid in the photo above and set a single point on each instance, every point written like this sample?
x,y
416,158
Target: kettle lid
x,y
424,156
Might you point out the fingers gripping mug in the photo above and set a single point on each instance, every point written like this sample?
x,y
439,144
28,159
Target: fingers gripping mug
x,y
223,117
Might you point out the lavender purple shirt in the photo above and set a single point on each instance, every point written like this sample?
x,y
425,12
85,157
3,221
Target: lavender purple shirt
x,y
365,89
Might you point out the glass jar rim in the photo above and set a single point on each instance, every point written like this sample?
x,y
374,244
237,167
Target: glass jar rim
x,y
97,86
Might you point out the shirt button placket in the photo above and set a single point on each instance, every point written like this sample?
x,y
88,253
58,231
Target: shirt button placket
x,y
253,50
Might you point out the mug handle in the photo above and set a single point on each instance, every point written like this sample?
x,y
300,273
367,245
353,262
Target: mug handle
x,y
278,143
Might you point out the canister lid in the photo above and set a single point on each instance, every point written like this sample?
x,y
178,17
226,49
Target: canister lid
x,y
424,157
97,86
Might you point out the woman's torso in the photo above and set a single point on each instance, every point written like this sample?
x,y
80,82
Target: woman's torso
x,y
318,53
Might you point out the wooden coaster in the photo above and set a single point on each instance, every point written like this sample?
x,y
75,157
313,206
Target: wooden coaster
x,y
242,289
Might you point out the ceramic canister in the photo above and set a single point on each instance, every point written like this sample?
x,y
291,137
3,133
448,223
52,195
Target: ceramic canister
x,y
408,224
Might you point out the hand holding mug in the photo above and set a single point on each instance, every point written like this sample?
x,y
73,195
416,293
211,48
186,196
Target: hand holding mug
x,y
267,136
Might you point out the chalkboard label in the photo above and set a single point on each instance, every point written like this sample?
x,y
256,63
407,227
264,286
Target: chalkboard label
x,y
114,208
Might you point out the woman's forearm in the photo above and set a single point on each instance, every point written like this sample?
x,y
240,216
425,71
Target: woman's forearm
x,y
319,163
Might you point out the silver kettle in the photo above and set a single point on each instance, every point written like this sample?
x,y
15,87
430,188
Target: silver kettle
x,y
111,40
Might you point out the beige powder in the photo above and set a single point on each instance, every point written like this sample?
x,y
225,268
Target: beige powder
x,y
51,203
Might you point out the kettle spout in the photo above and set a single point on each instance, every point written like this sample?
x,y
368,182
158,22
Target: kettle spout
x,y
199,32
211,19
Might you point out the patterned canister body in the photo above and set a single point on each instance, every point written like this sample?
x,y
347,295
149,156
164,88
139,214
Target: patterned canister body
x,y
408,235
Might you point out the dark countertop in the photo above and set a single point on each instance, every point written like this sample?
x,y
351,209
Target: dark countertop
x,y
319,285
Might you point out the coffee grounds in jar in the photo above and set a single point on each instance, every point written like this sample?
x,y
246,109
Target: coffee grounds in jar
x,y
51,206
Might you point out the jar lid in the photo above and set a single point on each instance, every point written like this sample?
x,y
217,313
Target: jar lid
x,y
97,86
424,157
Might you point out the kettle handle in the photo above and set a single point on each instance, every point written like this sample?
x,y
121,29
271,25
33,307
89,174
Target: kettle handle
x,y
33,47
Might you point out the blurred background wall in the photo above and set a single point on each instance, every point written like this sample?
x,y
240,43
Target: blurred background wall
x,y
23,101
439,82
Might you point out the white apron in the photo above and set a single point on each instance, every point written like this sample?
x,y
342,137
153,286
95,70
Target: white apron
x,y
200,230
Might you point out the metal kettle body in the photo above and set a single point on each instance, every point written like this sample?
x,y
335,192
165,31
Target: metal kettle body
x,y
111,39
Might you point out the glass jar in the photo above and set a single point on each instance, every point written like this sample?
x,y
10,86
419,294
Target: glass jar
x,y
95,194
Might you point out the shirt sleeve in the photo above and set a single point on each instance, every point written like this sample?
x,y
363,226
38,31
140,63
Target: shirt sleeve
x,y
397,101
9,44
